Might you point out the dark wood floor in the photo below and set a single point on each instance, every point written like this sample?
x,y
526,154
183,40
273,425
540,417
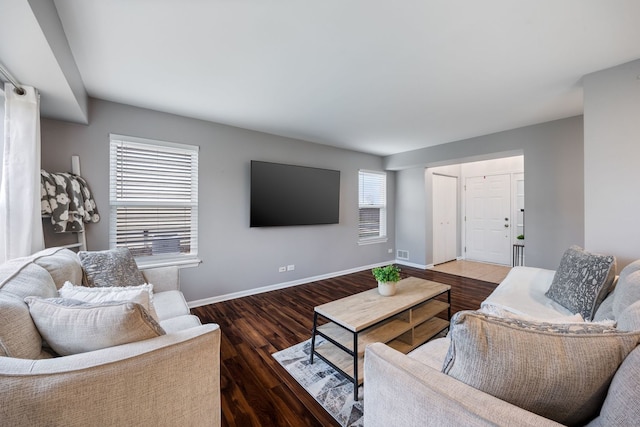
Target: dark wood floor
x,y
256,390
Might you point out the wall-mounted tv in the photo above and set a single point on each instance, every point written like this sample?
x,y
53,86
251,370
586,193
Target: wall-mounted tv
x,y
283,195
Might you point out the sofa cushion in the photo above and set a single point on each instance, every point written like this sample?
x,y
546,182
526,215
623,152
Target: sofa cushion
x,y
23,278
18,335
627,290
113,267
432,353
621,408
605,311
582,281
180,323
62,264
71,326
630,268
629,319
170,304
141,294
566,367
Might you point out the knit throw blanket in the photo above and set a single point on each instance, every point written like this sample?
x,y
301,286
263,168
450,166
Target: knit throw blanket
x,y
67,198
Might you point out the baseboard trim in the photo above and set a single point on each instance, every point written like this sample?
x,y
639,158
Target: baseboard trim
x,y
283,285
412,264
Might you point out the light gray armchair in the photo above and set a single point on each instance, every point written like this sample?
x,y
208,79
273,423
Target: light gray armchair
x,y
167,380
171,380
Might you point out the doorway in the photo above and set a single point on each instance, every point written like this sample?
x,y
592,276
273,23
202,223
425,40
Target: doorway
x,y
488,220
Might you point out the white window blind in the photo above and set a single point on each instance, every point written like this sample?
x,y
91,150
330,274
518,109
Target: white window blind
x,y
372,204
154,198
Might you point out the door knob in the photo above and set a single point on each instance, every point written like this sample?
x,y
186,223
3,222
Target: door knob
x,y
506,226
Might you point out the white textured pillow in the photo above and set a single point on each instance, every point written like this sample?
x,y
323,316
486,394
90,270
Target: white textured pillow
x,y
71,326
141,294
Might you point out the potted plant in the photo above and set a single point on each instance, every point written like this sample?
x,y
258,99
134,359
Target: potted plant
x,y
387,277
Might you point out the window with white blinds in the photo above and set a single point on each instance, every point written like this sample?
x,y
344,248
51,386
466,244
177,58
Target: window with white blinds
x,y
154,199
372,204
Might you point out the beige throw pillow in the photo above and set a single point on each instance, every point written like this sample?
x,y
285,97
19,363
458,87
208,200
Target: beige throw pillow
x,y
71,326
18,335
62,264
559,371
141,294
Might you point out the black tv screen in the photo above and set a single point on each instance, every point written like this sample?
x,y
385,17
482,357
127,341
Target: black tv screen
x,y
293,195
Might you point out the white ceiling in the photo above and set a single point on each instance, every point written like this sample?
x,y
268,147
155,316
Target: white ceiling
x,y
376,76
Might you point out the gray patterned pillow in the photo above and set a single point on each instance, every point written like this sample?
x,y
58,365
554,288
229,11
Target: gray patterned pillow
x,y
113,267
566,367
582,281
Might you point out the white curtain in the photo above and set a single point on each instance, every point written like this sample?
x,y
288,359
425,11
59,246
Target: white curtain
x,y
20,220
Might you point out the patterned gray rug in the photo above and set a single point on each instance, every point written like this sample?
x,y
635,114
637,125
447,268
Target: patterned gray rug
x,y
330,388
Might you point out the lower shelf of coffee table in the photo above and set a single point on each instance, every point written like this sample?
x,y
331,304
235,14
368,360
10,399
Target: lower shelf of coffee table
x,y
421,334
405,342
341,359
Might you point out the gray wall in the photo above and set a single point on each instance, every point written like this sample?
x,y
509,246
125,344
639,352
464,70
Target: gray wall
x,y
612,173
411,215
554,184
235,257
1,130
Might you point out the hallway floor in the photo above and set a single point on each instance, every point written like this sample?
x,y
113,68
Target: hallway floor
x,y
492,273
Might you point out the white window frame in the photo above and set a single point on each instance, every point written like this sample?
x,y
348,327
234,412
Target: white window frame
x,y
117,199
367,203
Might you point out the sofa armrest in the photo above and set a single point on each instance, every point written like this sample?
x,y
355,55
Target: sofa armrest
x,y
163,278
402,391
173,379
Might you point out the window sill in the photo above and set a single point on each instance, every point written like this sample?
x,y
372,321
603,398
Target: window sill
x,y
168,262
372,241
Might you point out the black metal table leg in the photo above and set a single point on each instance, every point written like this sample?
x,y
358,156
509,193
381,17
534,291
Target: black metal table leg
x,y
313,336
355,366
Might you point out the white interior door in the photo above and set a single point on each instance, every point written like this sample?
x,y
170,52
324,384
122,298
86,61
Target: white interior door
x,y
445,218
488,219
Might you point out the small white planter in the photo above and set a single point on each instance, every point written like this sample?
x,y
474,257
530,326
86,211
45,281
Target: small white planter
x,y
387,289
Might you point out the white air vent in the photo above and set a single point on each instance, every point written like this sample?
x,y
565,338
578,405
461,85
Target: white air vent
x,y
403,254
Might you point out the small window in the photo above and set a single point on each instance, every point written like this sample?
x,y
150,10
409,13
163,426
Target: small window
x,y
372,204
154,200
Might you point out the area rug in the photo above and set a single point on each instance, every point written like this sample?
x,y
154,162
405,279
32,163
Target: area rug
x,y
329,387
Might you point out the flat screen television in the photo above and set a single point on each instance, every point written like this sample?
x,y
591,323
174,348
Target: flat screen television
x,y
283,195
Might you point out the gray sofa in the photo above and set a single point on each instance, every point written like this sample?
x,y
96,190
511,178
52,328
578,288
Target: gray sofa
x,y
170,379
501,359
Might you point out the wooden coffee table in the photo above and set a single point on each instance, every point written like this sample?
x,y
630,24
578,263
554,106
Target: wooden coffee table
x,y
403,321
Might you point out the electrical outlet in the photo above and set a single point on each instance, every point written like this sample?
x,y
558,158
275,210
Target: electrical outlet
x,y
282,269
291,267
